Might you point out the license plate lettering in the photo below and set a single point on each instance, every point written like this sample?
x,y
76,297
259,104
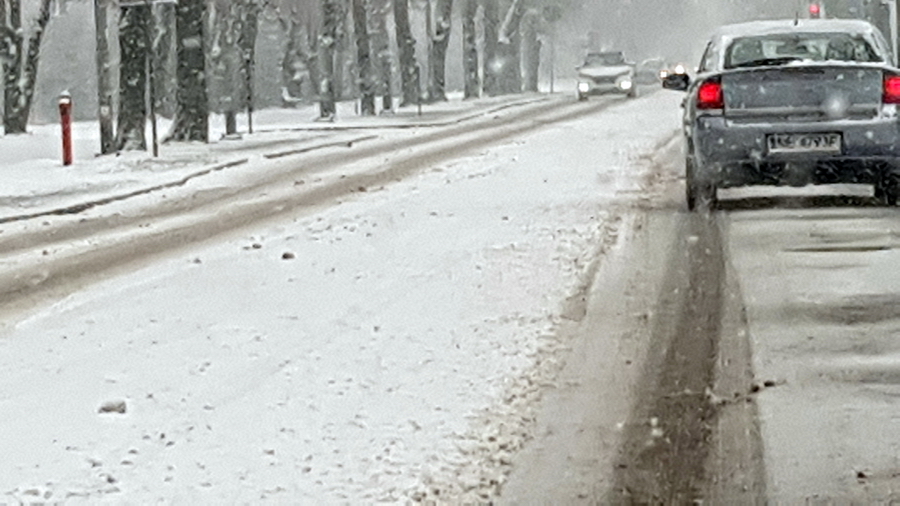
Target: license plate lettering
x,y
803,143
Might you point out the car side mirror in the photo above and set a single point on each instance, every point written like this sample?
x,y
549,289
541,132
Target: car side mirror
x,y
678,82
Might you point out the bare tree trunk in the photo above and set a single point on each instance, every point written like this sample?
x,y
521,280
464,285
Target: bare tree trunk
x,y
429,39
300,70
20,74
472,88
509,49
438,57
343,59
291,77
311,56
133,46
491,61
407,49
164,43
363,58
104,78
331,13
224,82
12,67
247,43
532,52
381,46
6,43
192,114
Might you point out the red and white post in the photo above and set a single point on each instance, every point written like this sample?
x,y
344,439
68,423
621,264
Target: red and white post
x,y
65,117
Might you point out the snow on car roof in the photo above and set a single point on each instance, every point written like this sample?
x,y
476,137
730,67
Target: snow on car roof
x,y
772,27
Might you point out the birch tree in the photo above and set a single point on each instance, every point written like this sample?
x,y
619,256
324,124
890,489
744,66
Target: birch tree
x,y
19,67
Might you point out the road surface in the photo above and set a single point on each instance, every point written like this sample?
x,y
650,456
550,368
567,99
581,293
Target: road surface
x,y
516,309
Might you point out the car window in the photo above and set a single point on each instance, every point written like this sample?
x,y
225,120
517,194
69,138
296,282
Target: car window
x,y
782,48
708,60
605,59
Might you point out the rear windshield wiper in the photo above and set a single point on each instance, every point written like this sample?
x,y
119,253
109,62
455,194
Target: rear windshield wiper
x,y
767,62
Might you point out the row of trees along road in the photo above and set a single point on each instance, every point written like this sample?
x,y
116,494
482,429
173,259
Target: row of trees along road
x,y
190,57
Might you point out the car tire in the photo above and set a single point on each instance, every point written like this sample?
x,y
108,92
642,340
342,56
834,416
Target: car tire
x,y
582,98
633,92
887,188
699,195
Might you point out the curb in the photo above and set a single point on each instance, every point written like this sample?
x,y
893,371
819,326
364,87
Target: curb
x,y
452,121
77,208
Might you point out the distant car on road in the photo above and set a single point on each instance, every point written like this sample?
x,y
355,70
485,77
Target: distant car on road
x,y
792,102
606,72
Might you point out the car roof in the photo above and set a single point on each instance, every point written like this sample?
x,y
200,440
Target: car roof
x,y
773,27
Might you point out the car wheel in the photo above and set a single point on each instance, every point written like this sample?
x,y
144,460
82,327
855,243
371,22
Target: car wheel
x,y
582,98
633,92
887,188
700,195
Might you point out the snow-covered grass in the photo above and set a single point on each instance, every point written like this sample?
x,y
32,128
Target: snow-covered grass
x,y
387,349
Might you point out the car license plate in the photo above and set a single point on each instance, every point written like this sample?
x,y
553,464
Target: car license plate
x,y
804,143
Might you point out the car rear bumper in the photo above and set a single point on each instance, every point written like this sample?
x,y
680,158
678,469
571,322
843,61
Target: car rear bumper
x,y
729,154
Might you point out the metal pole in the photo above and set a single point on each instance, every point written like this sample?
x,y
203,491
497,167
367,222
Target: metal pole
x,y
65,118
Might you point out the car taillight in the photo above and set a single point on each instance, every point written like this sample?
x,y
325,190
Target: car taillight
x,y
709,95
891,93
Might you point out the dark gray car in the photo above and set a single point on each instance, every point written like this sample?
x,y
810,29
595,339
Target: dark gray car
x,y
792,102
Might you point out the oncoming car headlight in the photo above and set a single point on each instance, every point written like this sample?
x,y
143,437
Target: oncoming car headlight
x,y
584,87
624,83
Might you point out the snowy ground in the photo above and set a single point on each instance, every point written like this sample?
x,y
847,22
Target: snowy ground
x,y
36,181
386,349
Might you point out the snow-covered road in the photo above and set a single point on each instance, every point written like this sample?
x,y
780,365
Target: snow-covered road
x,y
389,348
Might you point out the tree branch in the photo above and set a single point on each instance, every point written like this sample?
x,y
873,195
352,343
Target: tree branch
x,y
34,48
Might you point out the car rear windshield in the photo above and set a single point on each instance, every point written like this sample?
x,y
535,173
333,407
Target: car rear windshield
x,y
784,48
604,59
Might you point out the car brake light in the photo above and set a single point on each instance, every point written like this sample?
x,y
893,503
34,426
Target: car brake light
x,y
815,10
709,96
891,90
